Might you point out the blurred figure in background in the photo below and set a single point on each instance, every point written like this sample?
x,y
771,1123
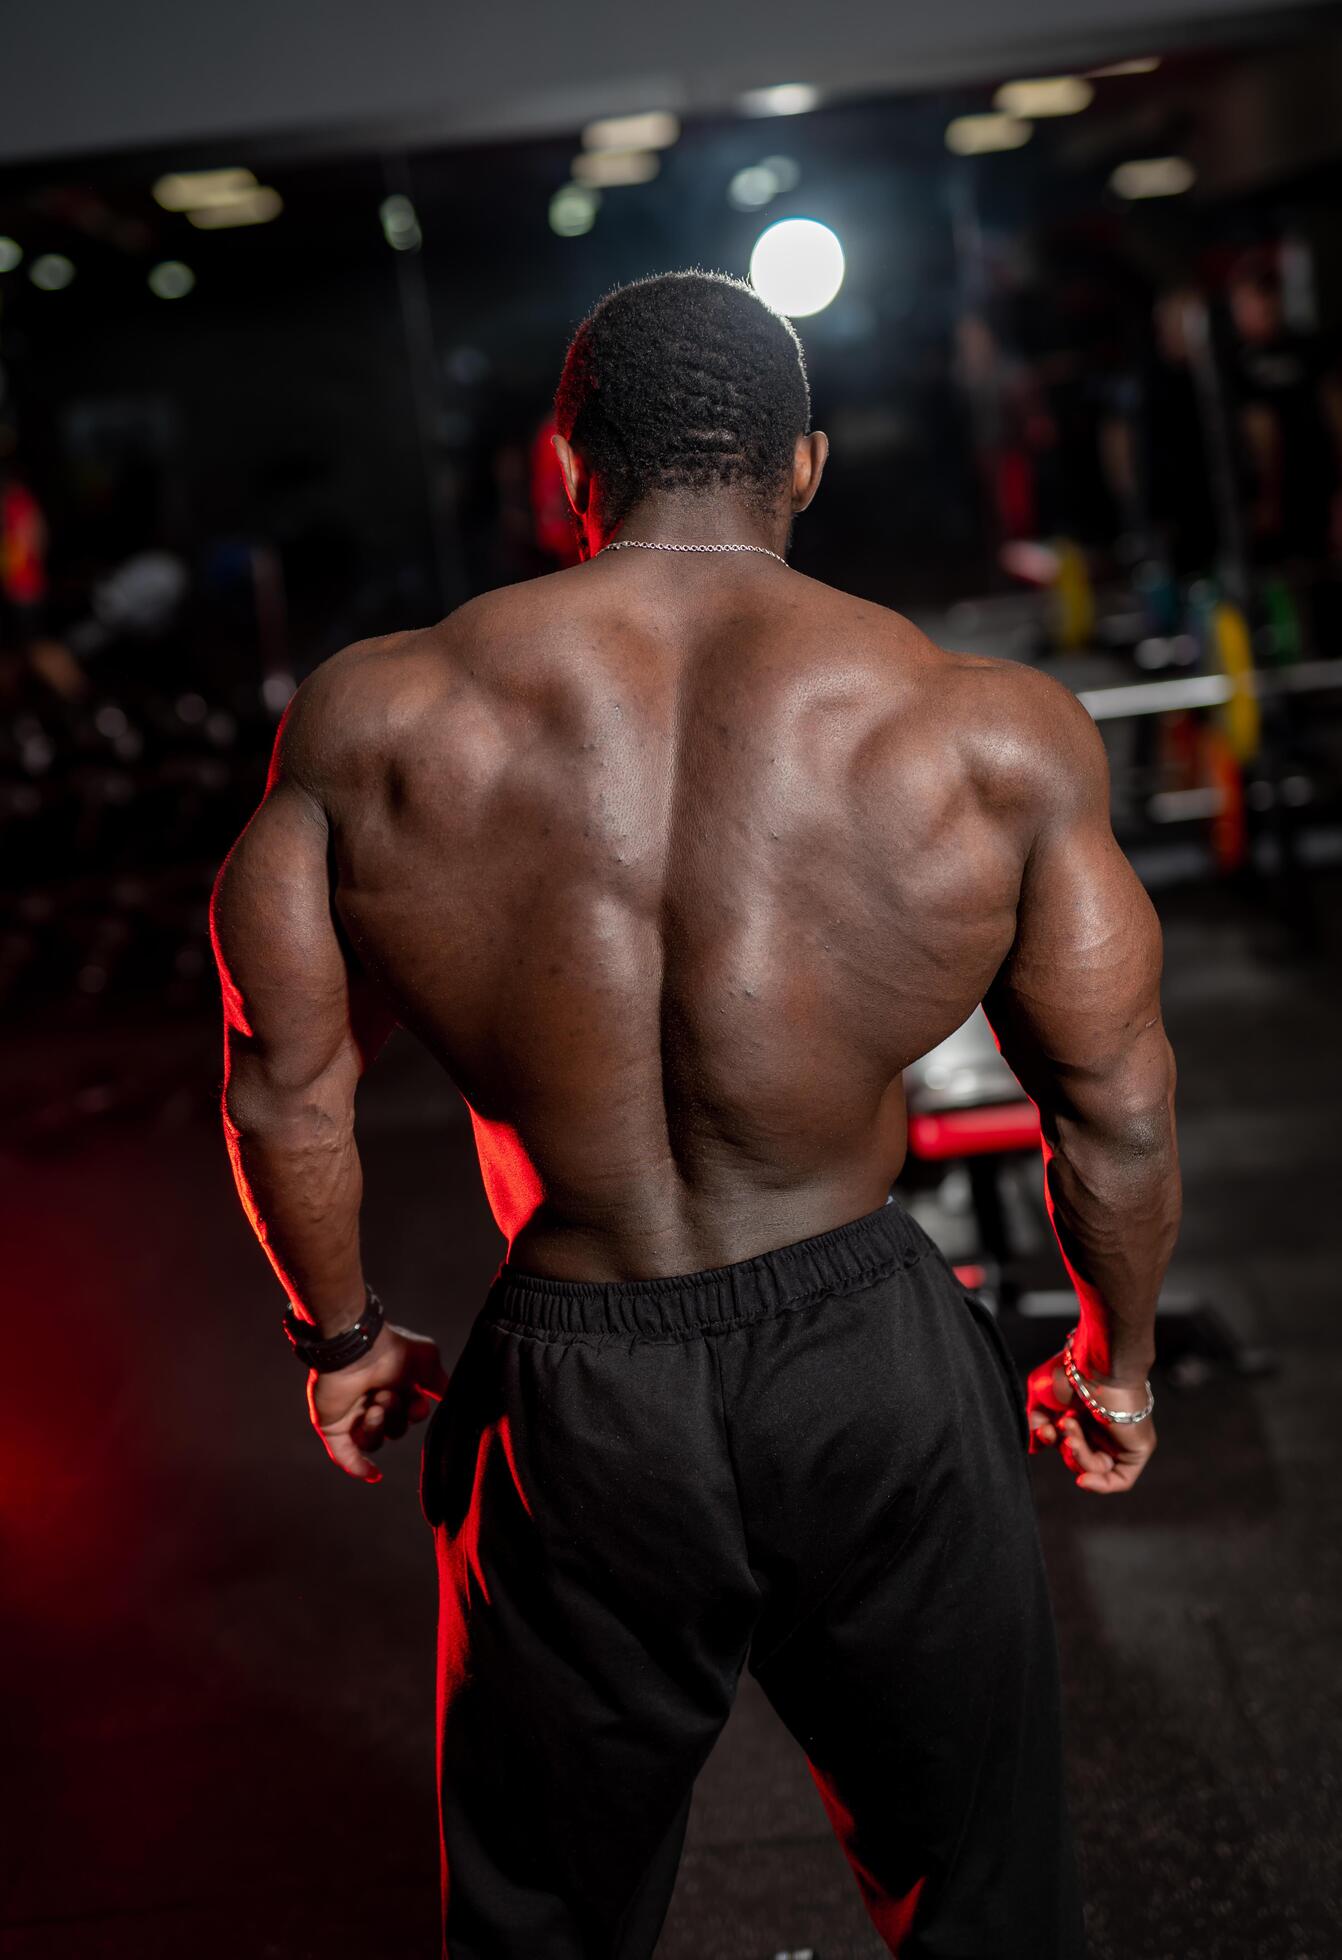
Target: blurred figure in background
x,y
1289,413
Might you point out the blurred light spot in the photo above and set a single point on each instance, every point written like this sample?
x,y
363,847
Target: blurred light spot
x,y
220,727
655,130
92,980
797,266
11,253
110,721
752,188
400,223
1055,95
785,171
130,746
191,708
605,169
782,99
193,190
467,365
1142,64
976,136
573,210
277,691
36,753
52,272
1153,177
171,280
255,207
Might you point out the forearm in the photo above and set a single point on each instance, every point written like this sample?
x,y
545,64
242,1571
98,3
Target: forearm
x,y
1114,1199
298,1175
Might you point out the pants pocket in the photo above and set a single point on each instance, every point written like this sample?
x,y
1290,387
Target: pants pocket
x,y
1015,1387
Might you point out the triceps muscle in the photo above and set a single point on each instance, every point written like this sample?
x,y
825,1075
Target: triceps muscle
x,y
292,1061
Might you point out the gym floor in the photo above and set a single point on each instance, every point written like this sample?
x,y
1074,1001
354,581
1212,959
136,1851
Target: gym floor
x,y
218,1655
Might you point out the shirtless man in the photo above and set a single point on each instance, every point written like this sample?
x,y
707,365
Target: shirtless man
x,y
674,860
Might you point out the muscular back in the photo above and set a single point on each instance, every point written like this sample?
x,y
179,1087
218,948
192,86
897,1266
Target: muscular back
x,y
675,866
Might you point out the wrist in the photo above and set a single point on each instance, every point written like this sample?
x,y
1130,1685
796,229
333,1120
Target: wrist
x,y
331,1349
1119,1404
333,1318
1110,1366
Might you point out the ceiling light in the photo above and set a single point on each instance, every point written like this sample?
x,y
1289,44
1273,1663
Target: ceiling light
x,y
605,169
1143,64
253,207
783,99
192,190
52,272
797,266
573,210
1153,177
1056,95
400,223
11,253
171,280
976,136
658,129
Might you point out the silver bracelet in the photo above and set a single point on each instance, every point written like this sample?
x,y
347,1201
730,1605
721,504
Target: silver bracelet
x,y
1092,1402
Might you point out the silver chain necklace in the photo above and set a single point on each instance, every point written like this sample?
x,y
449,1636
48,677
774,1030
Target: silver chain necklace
x,y
644,544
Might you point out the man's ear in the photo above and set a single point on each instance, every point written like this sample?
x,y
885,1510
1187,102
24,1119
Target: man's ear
x,y
808,466
577,479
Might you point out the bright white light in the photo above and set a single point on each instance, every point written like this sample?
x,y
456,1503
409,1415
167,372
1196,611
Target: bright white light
x,y
606,169
1143,64
976,136
11,252
400,224
171,280
783,99
573,210
249,207
1055,95
657,130
52,272
193,190
797,266
1153,177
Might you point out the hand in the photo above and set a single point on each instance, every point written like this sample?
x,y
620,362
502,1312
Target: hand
x,y
354,1410
1116,1459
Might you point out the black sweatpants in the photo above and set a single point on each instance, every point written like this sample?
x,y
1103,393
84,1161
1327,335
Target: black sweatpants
x,y
813,1461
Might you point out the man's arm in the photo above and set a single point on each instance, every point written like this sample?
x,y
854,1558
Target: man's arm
x,y
300,1026
1076,1009
292,1054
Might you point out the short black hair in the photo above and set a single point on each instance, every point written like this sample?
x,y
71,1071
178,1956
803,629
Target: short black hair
x,y
684,381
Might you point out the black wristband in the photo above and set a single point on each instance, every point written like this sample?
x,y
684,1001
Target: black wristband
x,y
349,1345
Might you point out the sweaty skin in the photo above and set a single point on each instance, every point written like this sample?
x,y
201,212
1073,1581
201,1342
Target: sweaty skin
x,y
674,863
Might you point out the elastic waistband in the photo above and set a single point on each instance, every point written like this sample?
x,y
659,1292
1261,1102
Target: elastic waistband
x,y
673,1309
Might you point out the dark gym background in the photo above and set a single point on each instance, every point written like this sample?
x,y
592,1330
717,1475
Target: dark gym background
x,y
1083,380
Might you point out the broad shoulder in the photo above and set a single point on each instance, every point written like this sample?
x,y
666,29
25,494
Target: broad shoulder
x,y
1027,741
358,704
